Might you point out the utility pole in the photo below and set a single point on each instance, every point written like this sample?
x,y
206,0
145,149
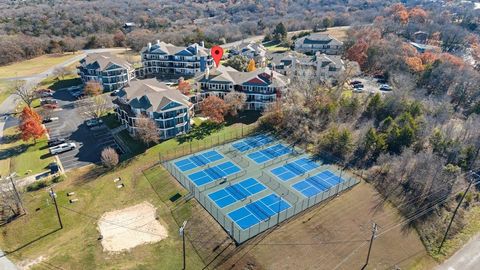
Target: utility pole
x,y
19,200
374,231
182,234
455,212
52,194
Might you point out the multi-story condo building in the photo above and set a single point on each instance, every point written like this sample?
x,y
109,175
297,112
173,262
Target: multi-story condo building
x,y
170,109
318,42
262,86
320,66
162,59
110,71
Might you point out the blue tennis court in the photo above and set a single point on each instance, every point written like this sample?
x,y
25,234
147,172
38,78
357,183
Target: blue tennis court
x,y
237,192
318,183
213,173
198,160
294,169
258,211
252,142
269,153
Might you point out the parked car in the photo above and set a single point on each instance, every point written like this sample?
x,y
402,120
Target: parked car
x,y
93,122
358,90
62,148
48,101
386,87
358,85
114,92
56,141
49,119
355,82
77,93
43,93
50,106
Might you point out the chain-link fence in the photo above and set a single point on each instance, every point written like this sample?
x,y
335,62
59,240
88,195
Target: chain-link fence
x,y
297,203
193,146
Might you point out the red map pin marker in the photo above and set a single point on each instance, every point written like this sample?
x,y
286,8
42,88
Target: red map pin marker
x,y
217,53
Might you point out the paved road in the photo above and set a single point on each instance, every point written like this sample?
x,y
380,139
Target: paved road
x,y
467,258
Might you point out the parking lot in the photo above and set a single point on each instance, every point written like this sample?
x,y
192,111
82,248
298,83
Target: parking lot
x,y
370,85
70,125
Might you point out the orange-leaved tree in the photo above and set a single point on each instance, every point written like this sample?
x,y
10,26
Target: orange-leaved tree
x,y
31,125
251,65
214,108
184,87
93,88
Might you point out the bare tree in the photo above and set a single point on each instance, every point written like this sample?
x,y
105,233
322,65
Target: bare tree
x,y
61,72
147,130
10,202
96,106
24,92
235,102
109,157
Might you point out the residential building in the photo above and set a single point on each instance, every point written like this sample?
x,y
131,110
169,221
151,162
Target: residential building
x,y
255,51
110,71
318,42
170,109
321,66
166,60
262,86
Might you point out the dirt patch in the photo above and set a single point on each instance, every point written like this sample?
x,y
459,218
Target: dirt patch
x,y
27,264
129,227
335,235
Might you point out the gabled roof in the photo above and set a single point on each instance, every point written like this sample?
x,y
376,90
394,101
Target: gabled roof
x,y
104,60
318,38
151,95
161,47
260,76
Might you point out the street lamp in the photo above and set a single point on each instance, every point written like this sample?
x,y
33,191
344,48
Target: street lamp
x,y
182,234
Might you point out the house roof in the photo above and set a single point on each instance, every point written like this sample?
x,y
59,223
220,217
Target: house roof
x,y
151,95
103,60
161,47
259,76
256,48
318,38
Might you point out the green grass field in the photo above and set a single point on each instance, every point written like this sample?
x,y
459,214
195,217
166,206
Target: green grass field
x,y
21,156
33,66
35,234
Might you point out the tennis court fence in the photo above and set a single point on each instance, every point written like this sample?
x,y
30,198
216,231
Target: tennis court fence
x,y
190,147
239,235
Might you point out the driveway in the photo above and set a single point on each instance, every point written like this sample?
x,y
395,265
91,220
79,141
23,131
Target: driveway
x,y
467,258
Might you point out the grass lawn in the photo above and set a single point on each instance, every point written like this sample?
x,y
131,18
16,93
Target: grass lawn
x,y
56,84
33,66
21,156
275,47
129,55
6,88
36,233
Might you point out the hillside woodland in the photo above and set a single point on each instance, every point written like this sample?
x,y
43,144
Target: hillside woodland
x,y
32,28
416,144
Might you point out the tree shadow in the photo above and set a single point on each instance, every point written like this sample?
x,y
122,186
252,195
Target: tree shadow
x,y
7,139
65,83
244,117
6,253
200,132
13,151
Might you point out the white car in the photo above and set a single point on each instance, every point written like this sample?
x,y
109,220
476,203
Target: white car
x,y
62,148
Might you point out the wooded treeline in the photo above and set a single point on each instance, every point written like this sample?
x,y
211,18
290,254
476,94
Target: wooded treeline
x,y
416,144
32,28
